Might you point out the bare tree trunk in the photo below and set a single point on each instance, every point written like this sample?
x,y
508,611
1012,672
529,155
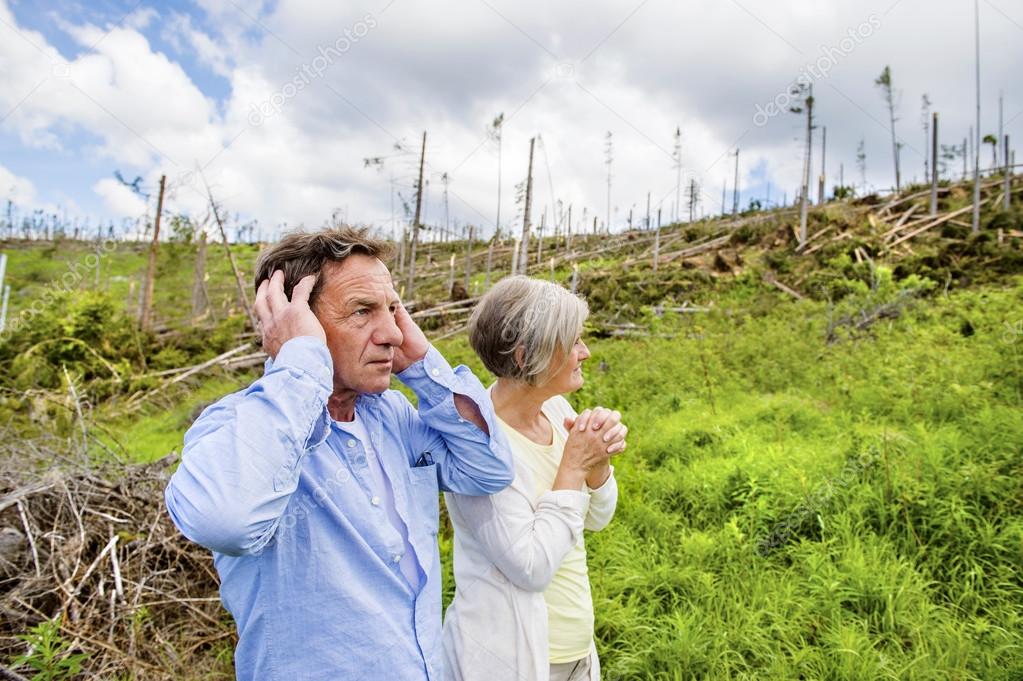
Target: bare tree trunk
x,y
1008,175
657,241
934,164
242,297
821,181
410,281
147,294
468,257
524,255
490,262
568,236
735,188
539,240
199,299
976,145
3,307
804,199
451,276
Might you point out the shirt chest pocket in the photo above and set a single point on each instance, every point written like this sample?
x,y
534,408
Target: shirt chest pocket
x,y
425,493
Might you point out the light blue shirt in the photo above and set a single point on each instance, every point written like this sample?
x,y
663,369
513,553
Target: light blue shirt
x,y
309,566
382,497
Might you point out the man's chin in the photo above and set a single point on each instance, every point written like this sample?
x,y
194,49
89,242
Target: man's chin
x,y
375,386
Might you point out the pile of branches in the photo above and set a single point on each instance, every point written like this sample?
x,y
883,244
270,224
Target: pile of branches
x,y
90,550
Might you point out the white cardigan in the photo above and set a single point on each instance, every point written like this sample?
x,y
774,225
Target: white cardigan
x,y
508,546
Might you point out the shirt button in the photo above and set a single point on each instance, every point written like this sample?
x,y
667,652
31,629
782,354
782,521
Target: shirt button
x,y
350,443
375,501
395,557
435,372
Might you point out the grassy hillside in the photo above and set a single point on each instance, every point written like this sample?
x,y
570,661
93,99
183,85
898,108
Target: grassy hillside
x,y
819,488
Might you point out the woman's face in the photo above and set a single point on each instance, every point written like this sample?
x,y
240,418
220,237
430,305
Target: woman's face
x,y
568,372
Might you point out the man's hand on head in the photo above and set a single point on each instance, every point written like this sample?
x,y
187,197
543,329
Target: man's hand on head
x,y
280,319
414,344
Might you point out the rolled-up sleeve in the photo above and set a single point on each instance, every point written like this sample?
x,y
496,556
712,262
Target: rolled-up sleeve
x,y
242,457
469,460
603,501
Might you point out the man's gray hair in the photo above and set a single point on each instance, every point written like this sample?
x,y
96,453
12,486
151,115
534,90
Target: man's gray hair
x,y
540,317
300,254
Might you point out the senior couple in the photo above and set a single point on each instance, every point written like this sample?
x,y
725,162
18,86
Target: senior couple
x,y
317,487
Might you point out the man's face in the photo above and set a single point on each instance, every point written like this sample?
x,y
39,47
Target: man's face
x,y
356,308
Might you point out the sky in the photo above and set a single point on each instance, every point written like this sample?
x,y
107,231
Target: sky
x,y
277,106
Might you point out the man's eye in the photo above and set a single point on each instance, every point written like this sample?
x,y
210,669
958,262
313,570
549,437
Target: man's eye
x,y
362,311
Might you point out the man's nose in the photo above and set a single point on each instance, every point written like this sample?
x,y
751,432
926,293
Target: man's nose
x,y
388,333
585,352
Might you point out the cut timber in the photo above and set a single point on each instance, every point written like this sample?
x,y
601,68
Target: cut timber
x,y
432,311
814,236
769,278
840,237
933,223
696,250
906,215
902,222
205,365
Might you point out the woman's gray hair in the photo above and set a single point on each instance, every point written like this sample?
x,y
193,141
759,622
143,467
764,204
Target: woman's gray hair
x,y
540,317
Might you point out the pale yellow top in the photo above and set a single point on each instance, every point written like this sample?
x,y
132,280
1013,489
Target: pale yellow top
x,y
569,603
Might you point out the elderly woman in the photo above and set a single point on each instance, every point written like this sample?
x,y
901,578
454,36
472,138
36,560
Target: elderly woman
x,y
522,607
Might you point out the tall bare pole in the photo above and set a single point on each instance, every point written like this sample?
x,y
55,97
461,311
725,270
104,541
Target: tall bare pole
x,y
242,296
976,144
735,186
524,245
147,291
411,277
3,307
821,180
1008,174
1001,130
677,157
468,256
568,235
805,189
608,158
497,133
884,81
657,241
934,164
6,291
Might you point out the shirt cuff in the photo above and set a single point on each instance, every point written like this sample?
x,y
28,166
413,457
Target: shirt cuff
x,y
433,378
307,355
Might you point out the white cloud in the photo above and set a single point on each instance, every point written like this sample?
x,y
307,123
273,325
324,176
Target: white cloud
x,y
18,190
569,72
119,199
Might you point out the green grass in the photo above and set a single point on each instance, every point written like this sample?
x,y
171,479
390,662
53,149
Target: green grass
x,y
792,509
789,508
156,432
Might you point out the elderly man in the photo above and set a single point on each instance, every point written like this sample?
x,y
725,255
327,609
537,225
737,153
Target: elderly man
x,y
317,487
